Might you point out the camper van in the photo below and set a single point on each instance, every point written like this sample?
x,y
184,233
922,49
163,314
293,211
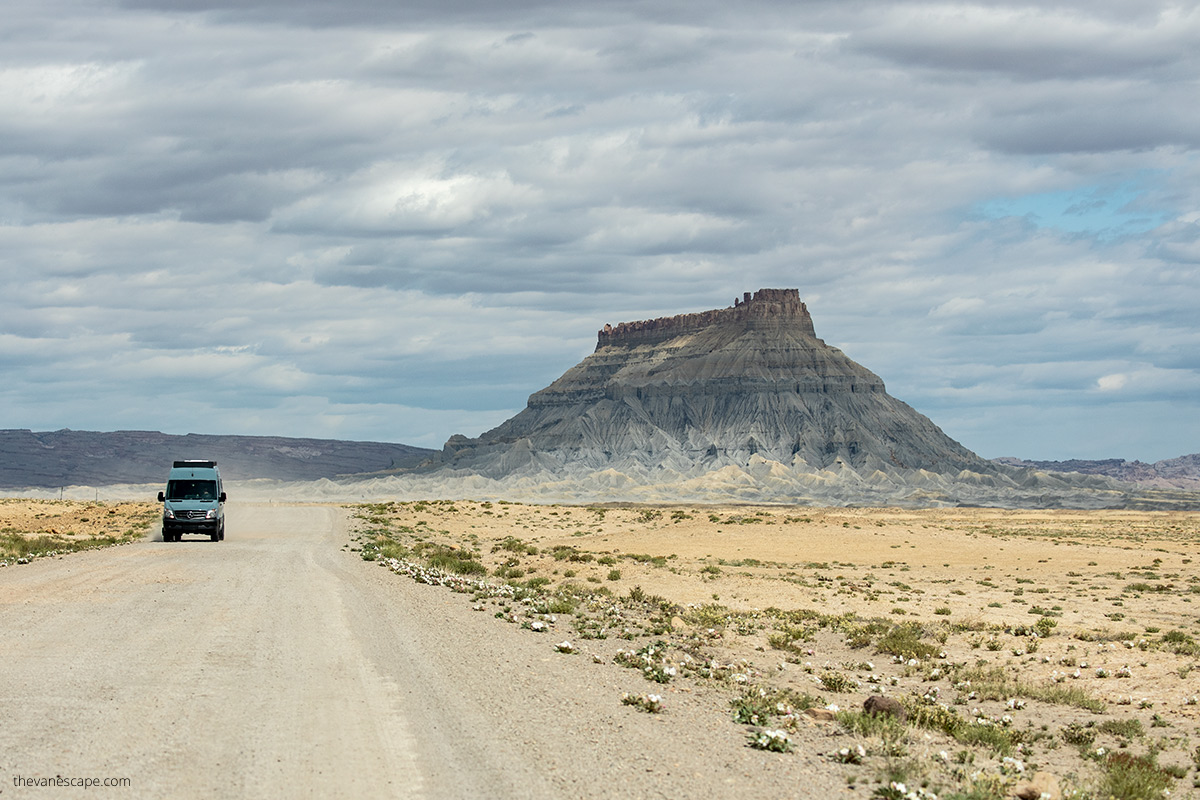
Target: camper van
x,y
194,501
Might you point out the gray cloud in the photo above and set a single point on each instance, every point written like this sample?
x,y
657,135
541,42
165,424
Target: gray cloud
x,y
397,221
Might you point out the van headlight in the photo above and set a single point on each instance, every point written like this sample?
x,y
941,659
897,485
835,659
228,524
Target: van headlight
x,y
168,514
211,514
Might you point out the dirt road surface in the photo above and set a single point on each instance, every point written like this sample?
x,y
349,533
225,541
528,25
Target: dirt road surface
x,y
278,664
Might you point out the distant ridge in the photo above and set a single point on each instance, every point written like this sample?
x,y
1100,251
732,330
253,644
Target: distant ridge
x,y
1171,473
88,458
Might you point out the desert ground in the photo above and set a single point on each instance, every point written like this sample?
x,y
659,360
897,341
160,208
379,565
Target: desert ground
x,y
614,651
41,527
1055,644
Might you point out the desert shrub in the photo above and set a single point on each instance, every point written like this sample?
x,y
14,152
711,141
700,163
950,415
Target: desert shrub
x,y
646,558
905,641
1078,735
789,638
775,741
995,684
757,705
1133,777
858,634
451,560
837,682
650,660
1044,626
998,739
938,717
982,787
1147,587
709,615
514,545
795,616
1125,728
885,726
650,703
932,716
389,549
560,605
753,707
1181,643
509,569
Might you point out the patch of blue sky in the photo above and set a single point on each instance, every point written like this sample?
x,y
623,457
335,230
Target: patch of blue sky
x,y
1104,210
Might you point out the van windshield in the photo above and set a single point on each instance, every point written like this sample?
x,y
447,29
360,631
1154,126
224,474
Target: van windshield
x,y
191,490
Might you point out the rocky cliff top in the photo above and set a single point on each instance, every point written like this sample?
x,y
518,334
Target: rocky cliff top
x,y
764,307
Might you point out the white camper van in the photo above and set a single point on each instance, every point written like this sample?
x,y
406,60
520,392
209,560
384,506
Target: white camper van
x,y
194,501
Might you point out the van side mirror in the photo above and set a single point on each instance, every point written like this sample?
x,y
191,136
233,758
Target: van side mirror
x,y
222,497
161,497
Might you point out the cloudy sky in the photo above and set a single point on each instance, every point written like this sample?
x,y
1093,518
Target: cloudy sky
x,y
395,221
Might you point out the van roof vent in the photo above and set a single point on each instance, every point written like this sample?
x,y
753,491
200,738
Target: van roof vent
x,y
197,464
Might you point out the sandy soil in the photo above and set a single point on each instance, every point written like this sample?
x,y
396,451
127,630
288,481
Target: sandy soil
x,y
74,518
786,598
29,527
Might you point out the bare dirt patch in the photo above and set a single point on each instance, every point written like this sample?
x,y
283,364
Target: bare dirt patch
x,y
32,528
1016,642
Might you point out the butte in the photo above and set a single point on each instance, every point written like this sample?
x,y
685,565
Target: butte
x,y
693,393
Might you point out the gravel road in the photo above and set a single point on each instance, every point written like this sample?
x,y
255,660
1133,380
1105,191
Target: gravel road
x,y
277,664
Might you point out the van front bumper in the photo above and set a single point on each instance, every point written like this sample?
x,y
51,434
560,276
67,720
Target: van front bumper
x,y
191,525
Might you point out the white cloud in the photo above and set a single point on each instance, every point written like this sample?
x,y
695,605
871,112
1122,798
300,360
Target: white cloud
x,y
400,220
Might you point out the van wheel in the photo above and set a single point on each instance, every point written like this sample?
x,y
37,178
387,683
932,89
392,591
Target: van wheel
x,y
222,532
216,537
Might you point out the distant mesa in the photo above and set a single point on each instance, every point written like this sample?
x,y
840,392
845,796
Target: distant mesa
x,y
1171,473
711,389
54,459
